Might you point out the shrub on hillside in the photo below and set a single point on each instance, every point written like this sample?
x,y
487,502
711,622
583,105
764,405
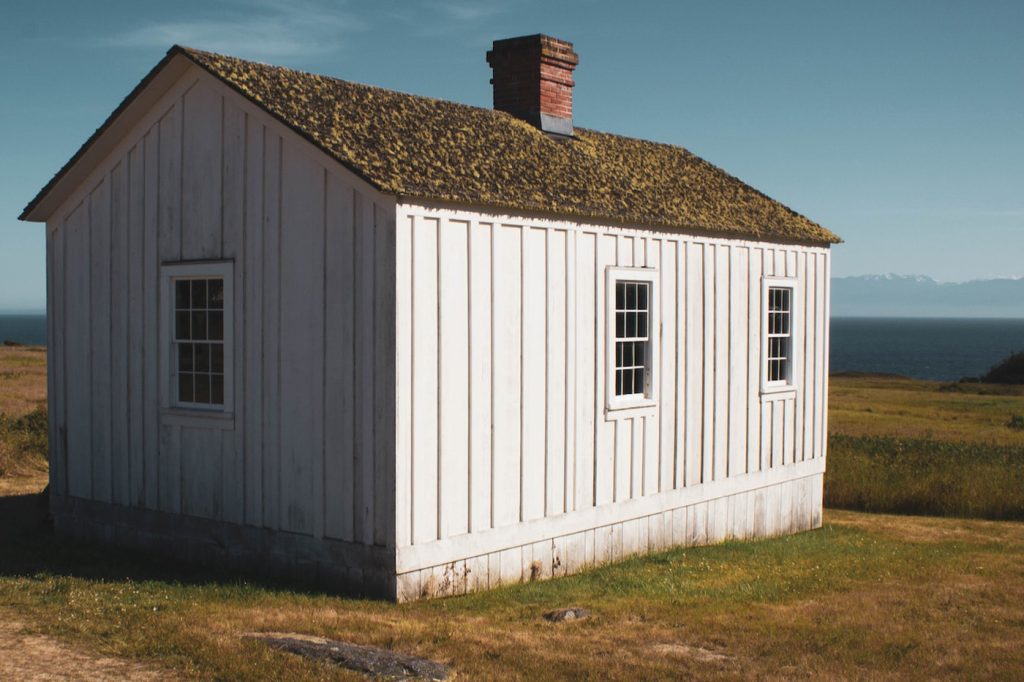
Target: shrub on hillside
x,y
1009,371
23,442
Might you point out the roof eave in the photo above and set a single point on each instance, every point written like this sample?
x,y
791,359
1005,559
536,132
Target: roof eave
x,y
107,136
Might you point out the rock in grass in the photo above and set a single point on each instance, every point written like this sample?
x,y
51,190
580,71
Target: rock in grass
x,y
365,659
562,615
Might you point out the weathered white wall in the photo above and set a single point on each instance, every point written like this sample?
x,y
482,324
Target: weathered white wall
x,y
501,405
309,448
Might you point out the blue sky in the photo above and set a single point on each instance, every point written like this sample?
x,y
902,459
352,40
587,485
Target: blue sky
x,y
900,125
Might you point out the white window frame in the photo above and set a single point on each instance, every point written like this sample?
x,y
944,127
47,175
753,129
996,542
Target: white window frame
x,y
169,272
650,276
795,305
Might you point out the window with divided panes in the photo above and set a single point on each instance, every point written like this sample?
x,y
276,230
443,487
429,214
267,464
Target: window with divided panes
x,y
632,338
780,334
198,341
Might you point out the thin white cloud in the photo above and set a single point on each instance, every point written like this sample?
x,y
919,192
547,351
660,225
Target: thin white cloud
x,y
467,12
445,17
264,29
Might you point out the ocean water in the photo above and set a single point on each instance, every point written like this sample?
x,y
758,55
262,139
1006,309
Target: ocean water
x,y
29,329
943,349
924,348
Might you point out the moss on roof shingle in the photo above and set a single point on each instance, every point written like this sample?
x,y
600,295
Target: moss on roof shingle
x,y
423,148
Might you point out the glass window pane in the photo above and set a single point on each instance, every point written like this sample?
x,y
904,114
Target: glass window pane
x,y
620,295
618,382
215,325
198,293
641,325
620,325
638,380
181,289
216,357
631,295
627,383
198,325
630,325
185,363
217,389
202,388
639,354
202,357
215,293
642,296
182,328
185,387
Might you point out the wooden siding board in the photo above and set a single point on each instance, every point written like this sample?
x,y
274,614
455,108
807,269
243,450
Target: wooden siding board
x,y
365,450
169,249
425,381
754,263
148,341
710,366
251,362
57,475
301,339
681,384
739,315
534,394
404,378
78,356
506,383
453,372
339,368
588,404
233,170
820,323
607,477
480,368
810,378
557,378
201,191
271,296
121,462
694,361
384,391
824,371
135,235
100,347
667,384
722,338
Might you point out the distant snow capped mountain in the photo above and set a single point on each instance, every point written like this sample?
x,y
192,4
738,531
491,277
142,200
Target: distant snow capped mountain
x,y
920,296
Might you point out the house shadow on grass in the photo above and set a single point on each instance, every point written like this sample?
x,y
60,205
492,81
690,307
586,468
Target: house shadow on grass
x,y
29,546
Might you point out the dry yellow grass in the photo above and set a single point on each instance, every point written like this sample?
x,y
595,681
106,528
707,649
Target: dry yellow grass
x,y
22,379
908,408
868,596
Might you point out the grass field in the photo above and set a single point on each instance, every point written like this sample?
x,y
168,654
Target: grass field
x,y
897,445
867,596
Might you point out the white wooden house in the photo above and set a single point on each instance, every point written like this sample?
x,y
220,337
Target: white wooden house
x,y
418,348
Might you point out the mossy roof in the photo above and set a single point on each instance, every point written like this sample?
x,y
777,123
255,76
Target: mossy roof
x,y
422,148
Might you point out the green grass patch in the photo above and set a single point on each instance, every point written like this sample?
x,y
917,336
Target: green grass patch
x,y
925,476
725,598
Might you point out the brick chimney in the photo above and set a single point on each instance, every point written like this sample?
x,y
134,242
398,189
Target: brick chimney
x,y
533,80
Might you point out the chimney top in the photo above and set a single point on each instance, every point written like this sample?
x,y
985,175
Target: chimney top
x,y
532,78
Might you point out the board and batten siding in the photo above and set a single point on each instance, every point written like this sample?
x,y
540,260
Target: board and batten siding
x,y
503,438
309,448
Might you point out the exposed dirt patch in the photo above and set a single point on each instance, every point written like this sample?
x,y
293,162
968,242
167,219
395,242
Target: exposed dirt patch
x,y
696,653
38,658
370,660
